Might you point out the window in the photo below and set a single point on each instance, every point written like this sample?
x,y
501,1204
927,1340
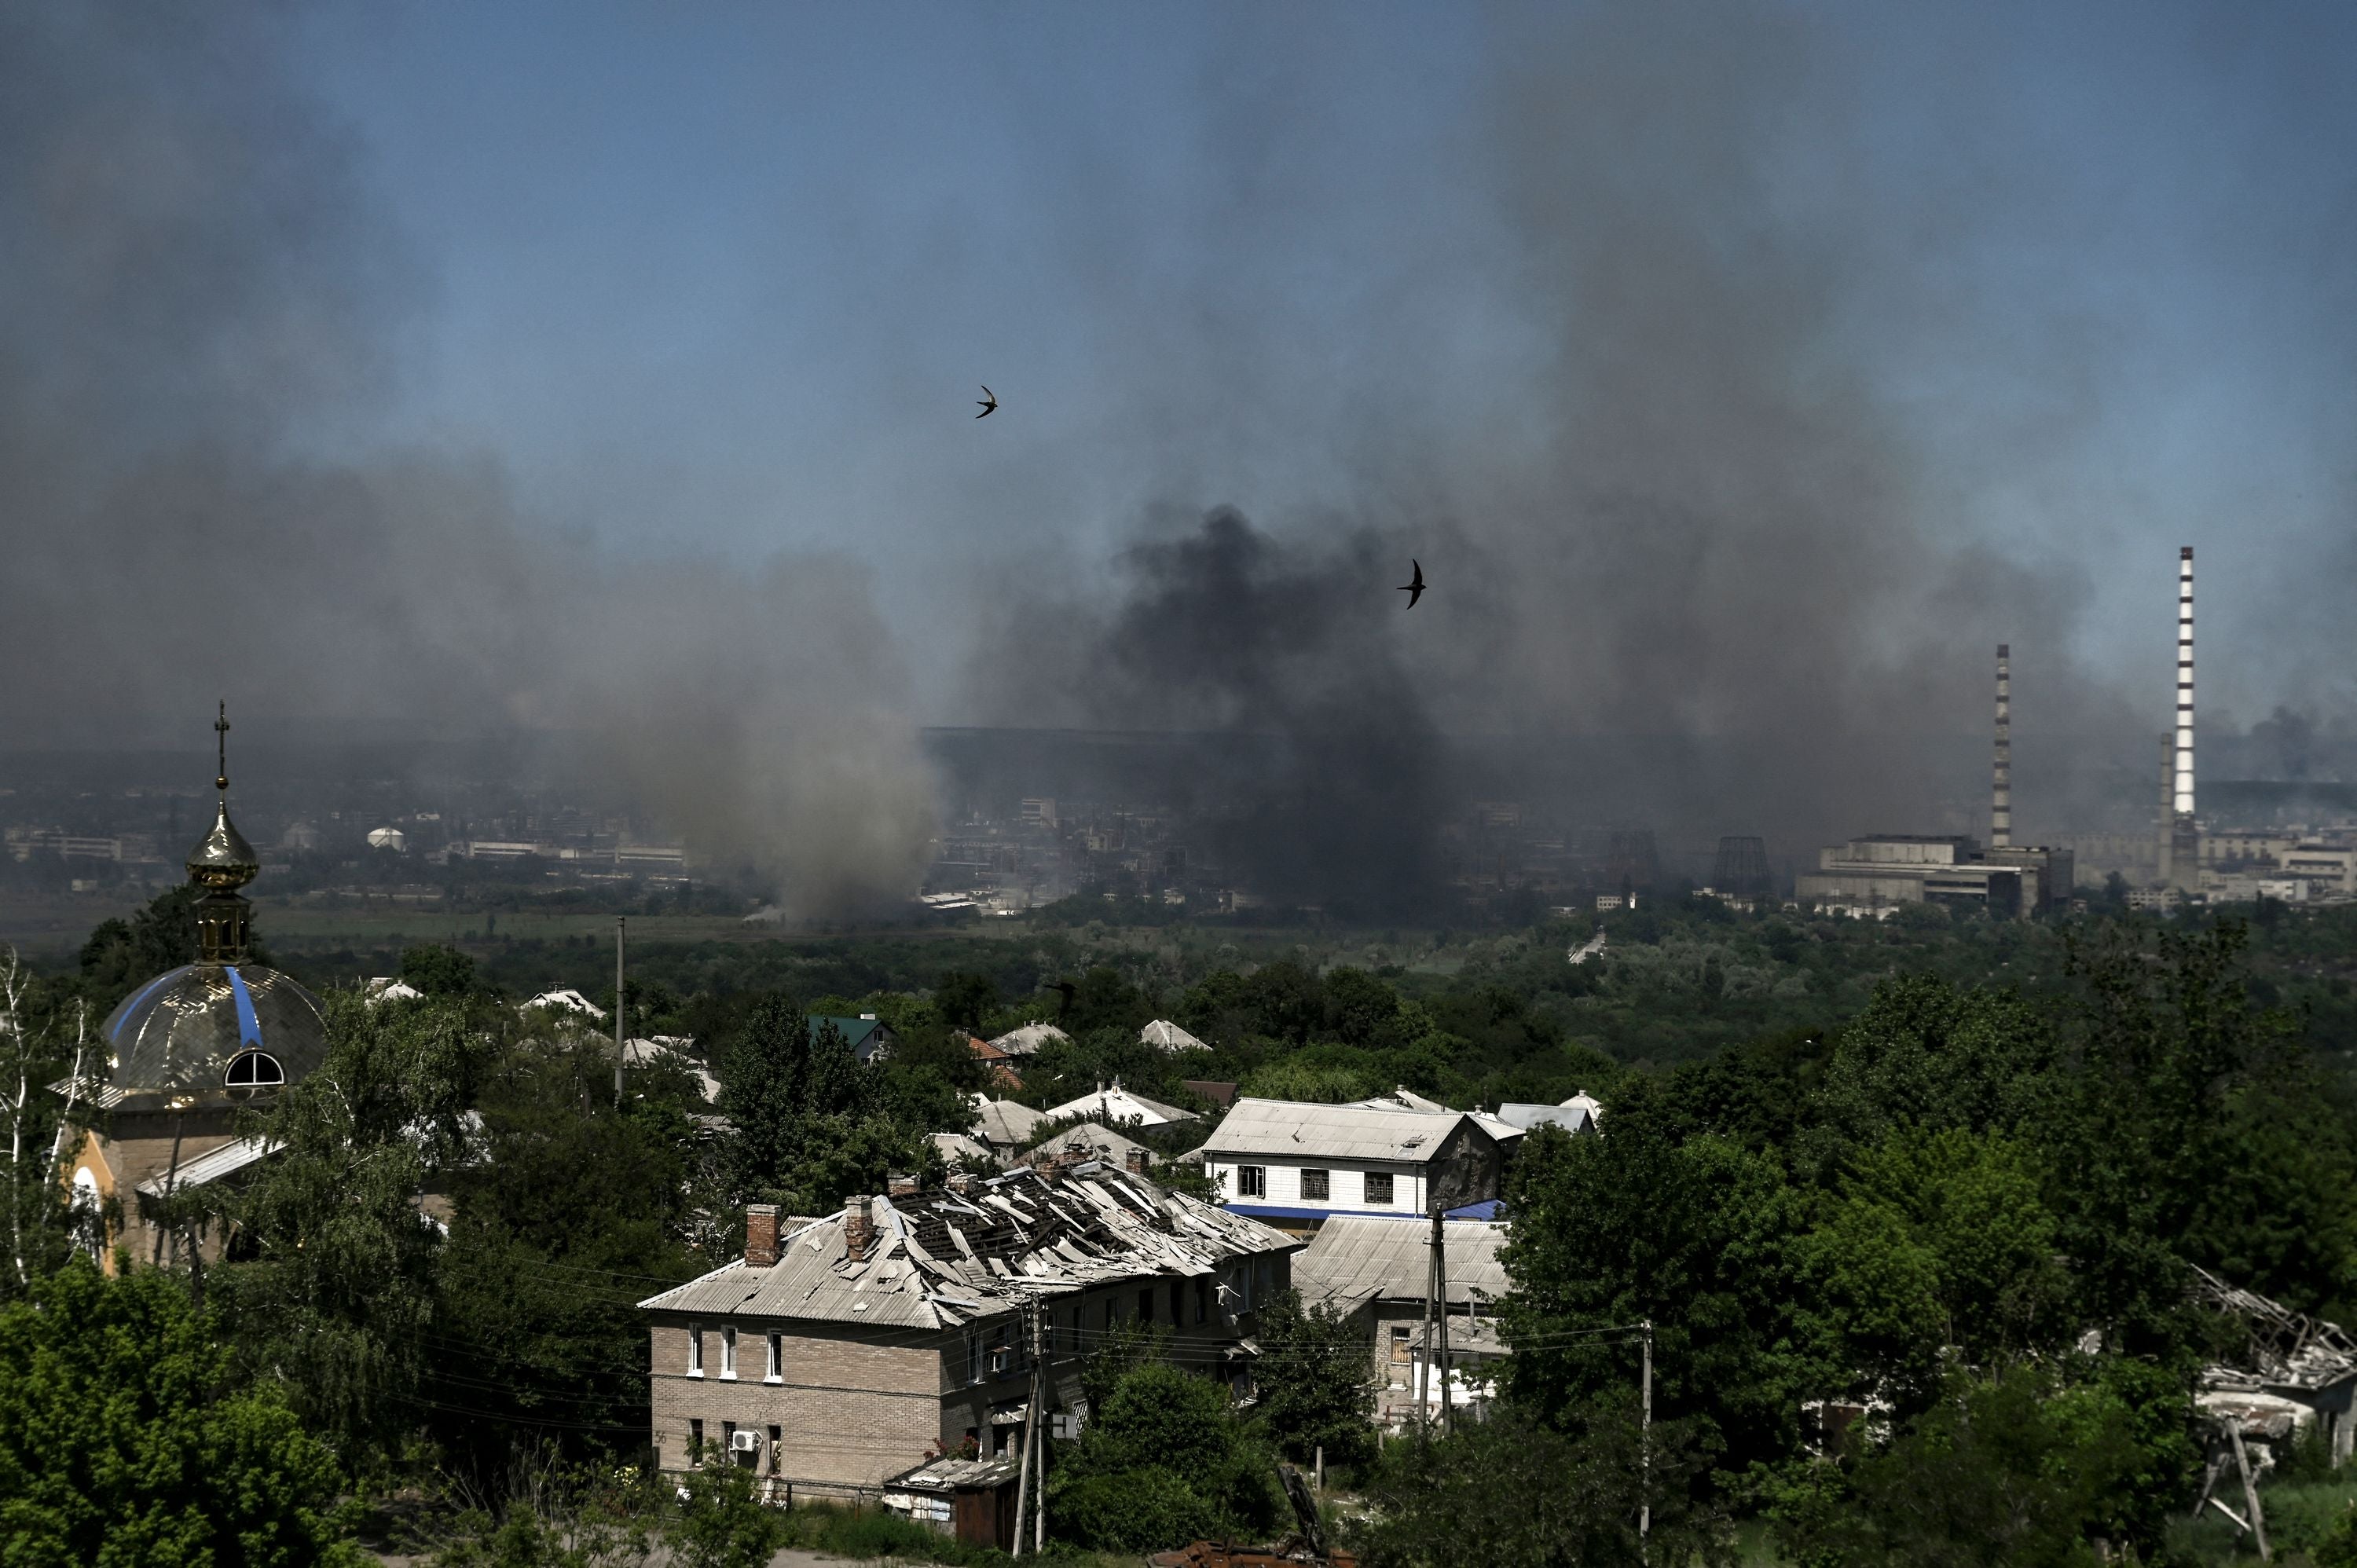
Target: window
x,y
973,1355
1109,1310
1146,1305
1178,1303
695,1440
1202,1297
1400,1356
776,1448
1251,1181
1313,1187
254,1069
1379,1186
777,1366
695,1350
728,1349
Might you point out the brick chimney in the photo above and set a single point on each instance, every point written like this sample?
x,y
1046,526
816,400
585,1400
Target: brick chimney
x,y
760,1235
901,1186
858,1229
961,1183
1138,1161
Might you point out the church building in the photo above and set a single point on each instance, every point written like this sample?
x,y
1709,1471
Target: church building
x,y
183,1055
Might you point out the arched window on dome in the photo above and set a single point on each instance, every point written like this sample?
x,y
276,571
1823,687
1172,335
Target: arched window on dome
x,y
254,1069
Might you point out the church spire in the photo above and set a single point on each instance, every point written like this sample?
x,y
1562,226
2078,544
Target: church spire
x,y
219,866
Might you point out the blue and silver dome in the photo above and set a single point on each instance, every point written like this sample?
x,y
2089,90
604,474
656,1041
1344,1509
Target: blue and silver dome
x,y
209,1030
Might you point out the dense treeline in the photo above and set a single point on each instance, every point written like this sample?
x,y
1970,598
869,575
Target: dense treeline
x,y
1956,1175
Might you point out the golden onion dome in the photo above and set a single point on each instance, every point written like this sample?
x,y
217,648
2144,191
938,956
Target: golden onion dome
x,y
224,861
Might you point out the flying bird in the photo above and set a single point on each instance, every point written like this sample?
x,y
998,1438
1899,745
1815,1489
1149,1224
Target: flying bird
x,y
989,403
1413,590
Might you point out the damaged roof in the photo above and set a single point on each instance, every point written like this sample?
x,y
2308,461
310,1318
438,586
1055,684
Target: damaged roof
x,y
1355,1259
2286,1349
940,1260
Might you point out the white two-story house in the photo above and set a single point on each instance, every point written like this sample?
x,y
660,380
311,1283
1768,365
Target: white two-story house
x,y
1294,1166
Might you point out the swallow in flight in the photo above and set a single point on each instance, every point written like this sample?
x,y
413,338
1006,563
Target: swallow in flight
x,y
1413,590
989,402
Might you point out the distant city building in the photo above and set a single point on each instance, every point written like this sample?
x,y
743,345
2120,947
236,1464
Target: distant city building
x,y
388,838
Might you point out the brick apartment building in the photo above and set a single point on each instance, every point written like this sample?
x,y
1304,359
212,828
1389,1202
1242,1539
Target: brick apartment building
x,y
840,1352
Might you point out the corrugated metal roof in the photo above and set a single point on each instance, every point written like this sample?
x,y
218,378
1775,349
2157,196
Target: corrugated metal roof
x,y
1005,1121
1354,1260
1166,1036
1570,1117
1024,1041
1118,1105
1292,1129
211,1165
944,1258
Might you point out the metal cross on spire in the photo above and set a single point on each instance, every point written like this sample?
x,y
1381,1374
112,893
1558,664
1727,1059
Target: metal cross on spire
x,y
220,738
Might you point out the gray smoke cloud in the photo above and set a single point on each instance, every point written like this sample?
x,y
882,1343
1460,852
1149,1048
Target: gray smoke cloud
x,y
1698,544
199,286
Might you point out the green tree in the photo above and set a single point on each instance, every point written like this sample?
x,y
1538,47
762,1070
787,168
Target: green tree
x,y
340,1294
965,998
722,1524
1939,1241
1701,1238
573,1212
438,970
1165,1434
128,1436
1925,1053
1510,1493
2017,1471
1316,1381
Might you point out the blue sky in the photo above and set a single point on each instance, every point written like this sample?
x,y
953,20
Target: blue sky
x,y
725,278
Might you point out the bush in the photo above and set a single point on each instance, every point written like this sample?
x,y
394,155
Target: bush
x,y
1147,1509
722,1524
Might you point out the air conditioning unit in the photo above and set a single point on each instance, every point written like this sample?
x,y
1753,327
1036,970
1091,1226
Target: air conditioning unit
x,y
746,1442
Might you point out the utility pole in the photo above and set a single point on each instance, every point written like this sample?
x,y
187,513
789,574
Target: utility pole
x,y
1030,1435
1441,1277
1424,1359
1645,1446
617,1012
1040,1427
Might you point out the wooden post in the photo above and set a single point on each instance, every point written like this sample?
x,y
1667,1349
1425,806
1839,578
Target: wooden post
x,y
2250,1490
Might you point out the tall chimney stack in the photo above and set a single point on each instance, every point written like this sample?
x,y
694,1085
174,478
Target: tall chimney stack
x,y
2001,798
858,1229
2168,824
2185,681
2185,836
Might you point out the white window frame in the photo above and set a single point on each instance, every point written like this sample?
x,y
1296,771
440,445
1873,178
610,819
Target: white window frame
x,y
1325,1178
777,1356
1366,1193
1251,1181
695,1350
728,1351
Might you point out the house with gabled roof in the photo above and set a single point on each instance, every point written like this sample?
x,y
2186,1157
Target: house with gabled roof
x,y
1295,1166
842,1351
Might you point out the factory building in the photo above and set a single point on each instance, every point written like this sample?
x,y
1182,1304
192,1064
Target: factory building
x,y
2008,879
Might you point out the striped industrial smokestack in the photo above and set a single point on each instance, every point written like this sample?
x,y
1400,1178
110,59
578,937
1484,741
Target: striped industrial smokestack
x,y
2001,797
2184,771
